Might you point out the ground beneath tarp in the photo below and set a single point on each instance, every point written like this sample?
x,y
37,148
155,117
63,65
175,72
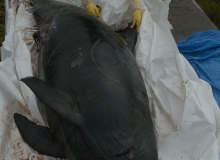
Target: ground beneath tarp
x,y
187,18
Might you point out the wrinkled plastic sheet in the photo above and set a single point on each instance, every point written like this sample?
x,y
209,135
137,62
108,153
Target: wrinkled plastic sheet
x,y
202,50
184,111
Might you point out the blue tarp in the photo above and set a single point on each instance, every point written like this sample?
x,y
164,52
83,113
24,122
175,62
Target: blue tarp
x,y
202,50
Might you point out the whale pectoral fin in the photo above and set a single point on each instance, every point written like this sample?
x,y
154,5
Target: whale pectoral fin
x,y
38,137
58,101
130,36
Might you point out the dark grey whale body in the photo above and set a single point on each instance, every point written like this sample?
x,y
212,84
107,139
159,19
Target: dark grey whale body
x,y
93,96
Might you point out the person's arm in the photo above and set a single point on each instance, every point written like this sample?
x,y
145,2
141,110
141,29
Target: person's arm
x,y
137,5
91,7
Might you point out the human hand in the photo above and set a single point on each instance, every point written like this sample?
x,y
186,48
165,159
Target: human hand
x,y
92,8
136,18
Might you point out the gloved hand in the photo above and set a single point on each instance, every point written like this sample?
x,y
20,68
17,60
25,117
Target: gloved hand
x,y
136,18
92,8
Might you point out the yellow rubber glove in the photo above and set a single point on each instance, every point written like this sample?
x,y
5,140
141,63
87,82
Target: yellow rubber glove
x,y
92,8
136,18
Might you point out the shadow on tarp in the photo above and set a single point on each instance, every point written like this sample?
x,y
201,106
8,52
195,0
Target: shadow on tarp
x,y
202,50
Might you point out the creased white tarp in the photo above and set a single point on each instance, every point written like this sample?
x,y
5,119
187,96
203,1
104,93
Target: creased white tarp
x,y
184,112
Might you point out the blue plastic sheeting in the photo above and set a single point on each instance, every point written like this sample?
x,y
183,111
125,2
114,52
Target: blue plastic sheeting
x,y
202,50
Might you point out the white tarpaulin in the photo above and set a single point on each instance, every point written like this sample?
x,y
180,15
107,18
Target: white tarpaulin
x,y
186,116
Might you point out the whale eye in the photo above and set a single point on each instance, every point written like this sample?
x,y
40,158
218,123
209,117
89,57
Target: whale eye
x,y
128,155
123,156
102,158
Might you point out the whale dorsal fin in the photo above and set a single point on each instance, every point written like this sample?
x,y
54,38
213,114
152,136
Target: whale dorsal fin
x,y
58,101
38,137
